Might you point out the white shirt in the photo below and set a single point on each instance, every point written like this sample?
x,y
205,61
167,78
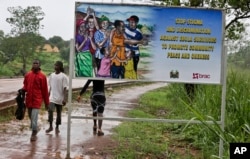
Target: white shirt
x,y
57,83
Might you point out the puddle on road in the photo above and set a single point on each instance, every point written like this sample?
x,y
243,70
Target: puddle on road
x,y
15,135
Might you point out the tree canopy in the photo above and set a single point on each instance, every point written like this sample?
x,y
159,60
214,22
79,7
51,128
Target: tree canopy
x,y
27,20
24,38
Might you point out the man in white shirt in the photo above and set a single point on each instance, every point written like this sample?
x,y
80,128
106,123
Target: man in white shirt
x,y
58,83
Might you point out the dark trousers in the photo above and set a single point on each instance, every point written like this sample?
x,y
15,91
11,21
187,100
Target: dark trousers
x,y
98,63
136,60
51,109
117,71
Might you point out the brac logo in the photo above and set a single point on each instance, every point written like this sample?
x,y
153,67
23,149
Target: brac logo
x,y
199,76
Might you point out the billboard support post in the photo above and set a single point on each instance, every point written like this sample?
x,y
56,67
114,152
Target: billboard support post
x,y
223,100
69,106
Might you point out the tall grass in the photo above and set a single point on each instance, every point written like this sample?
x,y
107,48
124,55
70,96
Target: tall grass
x,y
190,140
207,106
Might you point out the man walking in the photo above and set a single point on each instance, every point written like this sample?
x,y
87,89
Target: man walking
x,y
58,83
36,88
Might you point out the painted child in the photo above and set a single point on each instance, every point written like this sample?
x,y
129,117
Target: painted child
x,y
104,70
129,66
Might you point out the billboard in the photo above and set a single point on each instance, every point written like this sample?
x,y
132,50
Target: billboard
x,y
152,43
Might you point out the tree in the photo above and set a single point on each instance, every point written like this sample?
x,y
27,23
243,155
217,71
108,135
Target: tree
x,y
2,55
62,45
25,38
1,35
57,41
65,51
7,51
25,20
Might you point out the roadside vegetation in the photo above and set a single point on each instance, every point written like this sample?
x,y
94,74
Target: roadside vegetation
x,y
186,141
7,114
155,140
47,59
24,43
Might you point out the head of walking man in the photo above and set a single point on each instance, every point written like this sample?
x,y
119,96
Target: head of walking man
x,y
36,65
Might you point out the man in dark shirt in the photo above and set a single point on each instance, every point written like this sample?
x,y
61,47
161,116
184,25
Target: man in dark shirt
x,y
98,101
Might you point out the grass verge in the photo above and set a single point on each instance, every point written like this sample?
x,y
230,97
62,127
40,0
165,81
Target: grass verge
x,y
187,141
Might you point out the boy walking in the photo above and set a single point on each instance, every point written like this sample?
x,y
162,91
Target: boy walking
x,y
58,83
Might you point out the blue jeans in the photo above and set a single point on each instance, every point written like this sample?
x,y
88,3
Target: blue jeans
x,y
33,115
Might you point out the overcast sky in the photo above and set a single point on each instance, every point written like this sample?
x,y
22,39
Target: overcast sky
x,y
59,15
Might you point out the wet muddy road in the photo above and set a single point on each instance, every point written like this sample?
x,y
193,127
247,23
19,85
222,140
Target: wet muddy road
x,y
15,135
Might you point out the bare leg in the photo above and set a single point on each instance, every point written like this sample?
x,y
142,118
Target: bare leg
x,y
95,122
95,115
100,122
100,133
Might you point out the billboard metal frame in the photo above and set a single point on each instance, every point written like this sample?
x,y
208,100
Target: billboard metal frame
x,y
182,121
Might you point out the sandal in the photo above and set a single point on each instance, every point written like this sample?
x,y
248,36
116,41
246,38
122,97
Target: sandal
x,y
100,133
49,130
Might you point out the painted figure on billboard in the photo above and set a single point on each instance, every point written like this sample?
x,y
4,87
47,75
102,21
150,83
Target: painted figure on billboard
x,y
117,52
104,70
132,32
129,66
102,38
83,60
87,26
92,25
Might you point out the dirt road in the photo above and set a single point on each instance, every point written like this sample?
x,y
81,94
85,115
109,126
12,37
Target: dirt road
x,y
15,135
